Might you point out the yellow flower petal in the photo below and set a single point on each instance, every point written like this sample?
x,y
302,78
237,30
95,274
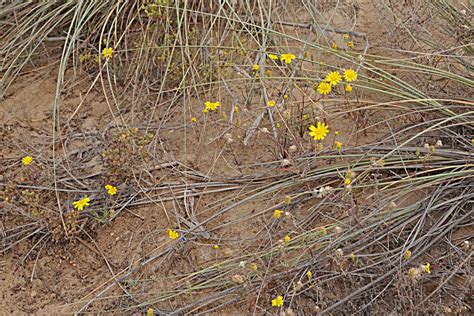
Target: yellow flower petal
x,y
350,75
287,58
278,301
324,88
27,160
319,131
334,77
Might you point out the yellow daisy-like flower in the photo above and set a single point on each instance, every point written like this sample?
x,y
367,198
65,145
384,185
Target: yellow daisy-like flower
x,y
336,133
350,75
236,110
215,247
193,119
348,88
277,213
350,44
286,239
277,301
347,181
324,88
334,46
271,103
272,56
346,36
212,106
80,204
255,67
338,145
407,254
27,160
309,274
287,58
319,131
285,97
108,52
334,77
172,233
111,190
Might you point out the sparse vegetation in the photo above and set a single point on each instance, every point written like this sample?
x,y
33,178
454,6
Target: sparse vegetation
x,y
291,157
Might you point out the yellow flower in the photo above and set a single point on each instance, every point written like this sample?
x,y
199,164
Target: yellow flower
x,y
272,56
334,46
407,254
286,239
149,312
236,110
80,204
324,88
108,52
348,88
334,77
350,44
472,141
255,67
287,58
309,274
350,75
346,36
338,145
27,160
193,119
287,199
305,116
277,213
319,131
427,268
215,247
271,103
111,190
336,133
347,181
212,106
278,301
172,233
285,97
